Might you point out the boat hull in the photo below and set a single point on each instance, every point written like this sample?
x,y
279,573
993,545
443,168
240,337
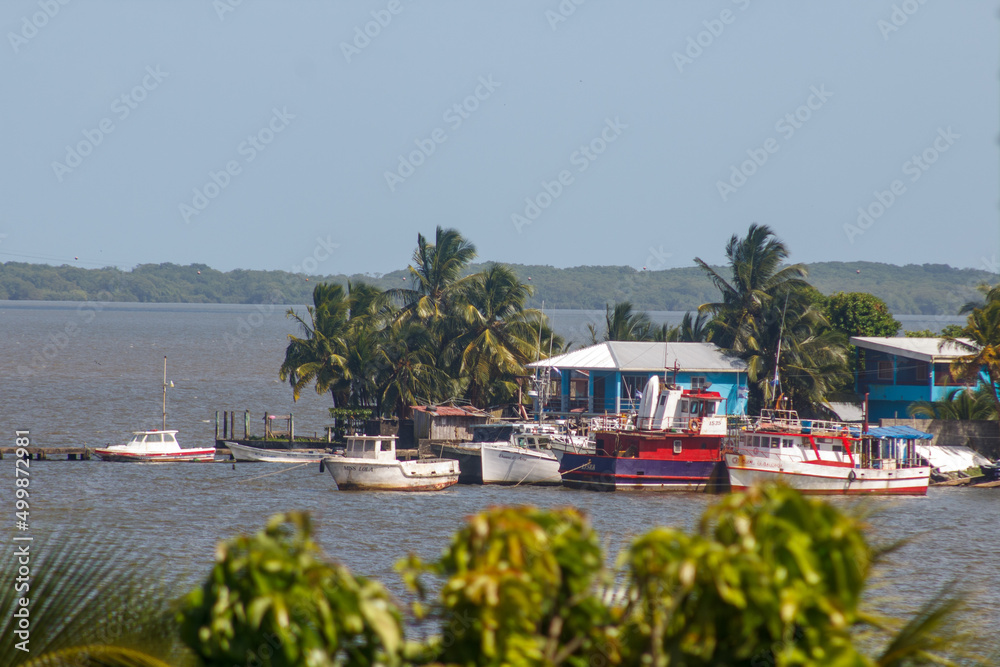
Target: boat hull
x,y
608,473
366,474
811,478
247,454
504,464
469,459
182,456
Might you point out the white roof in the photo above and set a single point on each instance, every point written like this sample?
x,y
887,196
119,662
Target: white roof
x,y
640,356
923,349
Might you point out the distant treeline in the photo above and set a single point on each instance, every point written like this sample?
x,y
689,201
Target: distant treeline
x,y
927,289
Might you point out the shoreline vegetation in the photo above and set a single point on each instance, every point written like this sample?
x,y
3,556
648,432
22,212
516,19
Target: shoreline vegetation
x,y
928,289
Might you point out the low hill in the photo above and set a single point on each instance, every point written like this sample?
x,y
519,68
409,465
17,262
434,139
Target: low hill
x,y
927,289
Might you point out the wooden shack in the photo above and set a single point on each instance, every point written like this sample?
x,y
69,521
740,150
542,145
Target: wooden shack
x,y
446,422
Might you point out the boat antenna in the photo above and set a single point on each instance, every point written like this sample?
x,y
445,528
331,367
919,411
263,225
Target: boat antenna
x,y
777,355
164,392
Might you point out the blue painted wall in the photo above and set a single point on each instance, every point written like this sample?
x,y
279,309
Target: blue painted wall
x,y
727,384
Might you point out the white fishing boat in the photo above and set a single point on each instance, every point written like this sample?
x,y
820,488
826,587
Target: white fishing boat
x,y
369,462
246,453
824,458
154,447
526,459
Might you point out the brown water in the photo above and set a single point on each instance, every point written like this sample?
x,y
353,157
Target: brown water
x,y
104,380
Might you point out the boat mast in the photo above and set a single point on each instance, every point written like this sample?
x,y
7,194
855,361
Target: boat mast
x,y
164,392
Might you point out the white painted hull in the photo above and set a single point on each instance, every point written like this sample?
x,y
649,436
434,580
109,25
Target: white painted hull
x,y
505,464
746,471
368,474
245,453
175,456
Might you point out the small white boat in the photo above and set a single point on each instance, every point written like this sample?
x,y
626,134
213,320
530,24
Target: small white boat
x,y
247,453
527,459
369,462
154,447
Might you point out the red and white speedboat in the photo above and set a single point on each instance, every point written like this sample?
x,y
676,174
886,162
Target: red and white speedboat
x,y
154,447
823,457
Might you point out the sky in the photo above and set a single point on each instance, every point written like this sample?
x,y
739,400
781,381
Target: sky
x,y
322,137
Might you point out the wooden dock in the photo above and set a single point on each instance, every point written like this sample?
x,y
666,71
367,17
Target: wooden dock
x,y
51,453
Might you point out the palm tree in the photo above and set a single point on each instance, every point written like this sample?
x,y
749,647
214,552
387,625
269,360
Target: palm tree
x,y
338,352
410,375
982,342
990,294
961,403
436,274
693,330
623,322
758,279
93,603
499,335
812,362
320,356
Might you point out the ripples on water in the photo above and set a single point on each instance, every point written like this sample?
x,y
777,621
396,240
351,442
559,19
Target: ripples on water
x,y
106,382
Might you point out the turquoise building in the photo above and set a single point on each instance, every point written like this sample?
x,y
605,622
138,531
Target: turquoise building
x,y
609,377
901,371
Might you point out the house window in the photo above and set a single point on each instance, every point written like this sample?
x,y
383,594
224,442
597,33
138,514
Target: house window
x,y
699,382
885,370
943,377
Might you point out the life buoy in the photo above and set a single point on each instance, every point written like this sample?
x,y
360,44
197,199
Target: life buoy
x,y
694,425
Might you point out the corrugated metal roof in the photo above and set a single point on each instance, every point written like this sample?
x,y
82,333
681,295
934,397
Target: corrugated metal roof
x,y
641,356
449,410
922,349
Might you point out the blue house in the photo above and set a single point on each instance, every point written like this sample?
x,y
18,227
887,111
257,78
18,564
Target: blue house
x,y
609,377
901,371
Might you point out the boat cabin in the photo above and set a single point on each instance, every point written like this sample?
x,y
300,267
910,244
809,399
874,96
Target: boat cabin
x,y
157,438
676,409
374,447
532,441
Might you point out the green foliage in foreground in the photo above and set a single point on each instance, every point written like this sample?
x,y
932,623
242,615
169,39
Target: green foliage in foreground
x,y
769,577
272,599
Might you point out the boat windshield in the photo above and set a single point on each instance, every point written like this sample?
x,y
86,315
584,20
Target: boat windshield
x,y
492,433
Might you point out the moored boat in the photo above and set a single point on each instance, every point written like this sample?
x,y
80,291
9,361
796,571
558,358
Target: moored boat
x,y
246,453
369,462
676,445
823,458
154,447
527,459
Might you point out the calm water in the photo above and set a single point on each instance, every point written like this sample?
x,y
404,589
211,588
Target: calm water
x,y
102,378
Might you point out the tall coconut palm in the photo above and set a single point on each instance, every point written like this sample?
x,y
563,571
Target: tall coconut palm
x,y
338,350
982,342
320,355
409,373
811,363
436,274
499,335
756,281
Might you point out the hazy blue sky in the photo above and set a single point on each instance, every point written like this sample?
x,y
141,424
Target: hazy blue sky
x,y
324,135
